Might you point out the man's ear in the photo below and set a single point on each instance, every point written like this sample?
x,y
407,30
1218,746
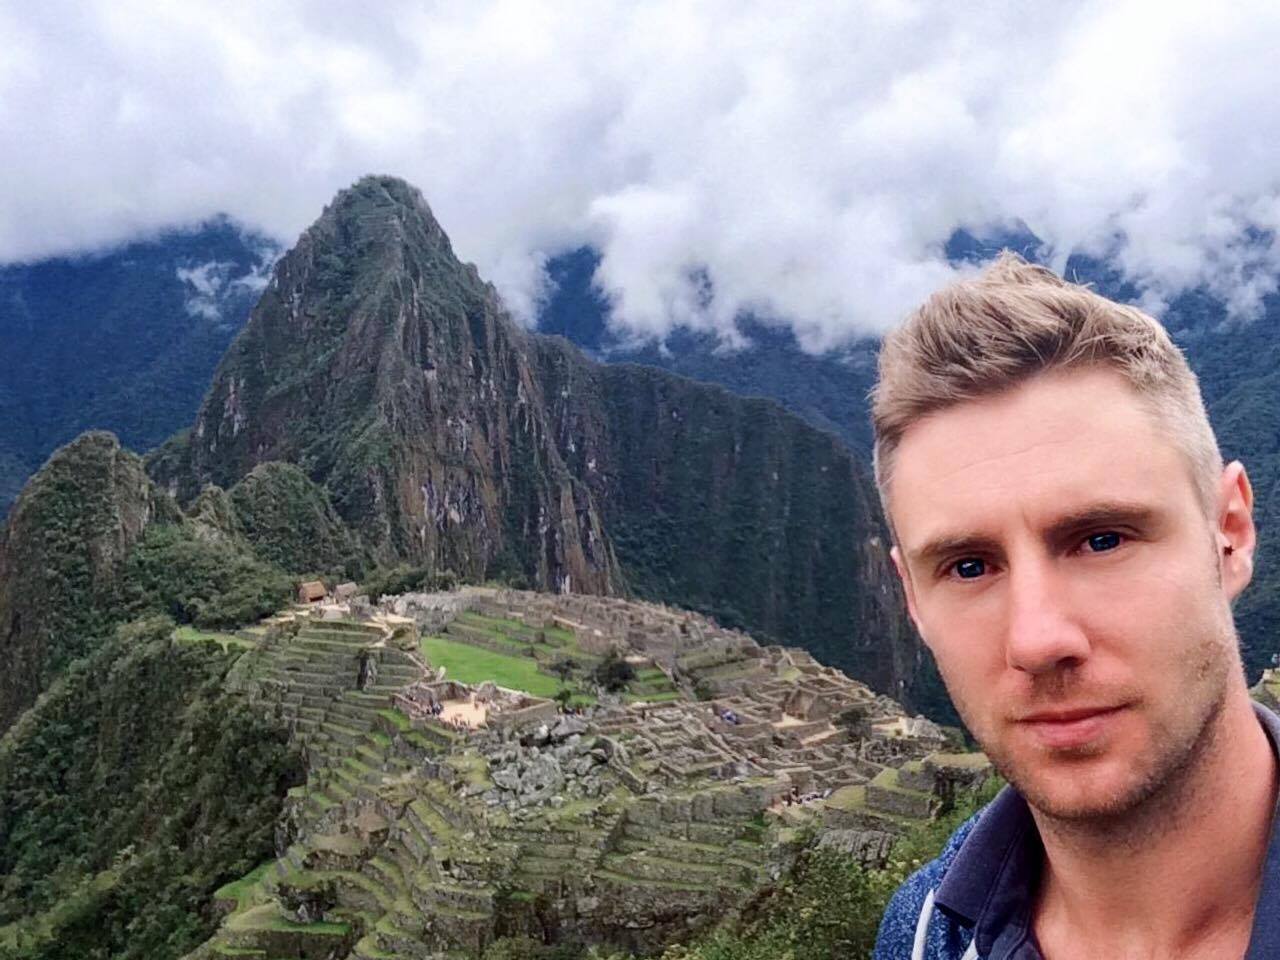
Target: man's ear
x,y
907,588
1236,534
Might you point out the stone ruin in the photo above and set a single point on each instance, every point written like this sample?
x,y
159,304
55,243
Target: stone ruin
x,y
438,813
463,707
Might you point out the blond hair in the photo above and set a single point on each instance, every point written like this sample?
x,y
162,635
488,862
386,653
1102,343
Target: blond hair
x,y
979,337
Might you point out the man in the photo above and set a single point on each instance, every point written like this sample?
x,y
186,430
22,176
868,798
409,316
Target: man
x,y
1070,543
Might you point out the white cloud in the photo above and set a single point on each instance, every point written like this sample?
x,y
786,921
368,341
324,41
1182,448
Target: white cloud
x,y
209,285
808,164
204,285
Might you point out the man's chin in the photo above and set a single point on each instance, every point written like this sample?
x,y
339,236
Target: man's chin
x,y
1079,785
1083,803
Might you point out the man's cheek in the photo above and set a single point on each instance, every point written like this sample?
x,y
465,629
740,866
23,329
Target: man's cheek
x,y
970,681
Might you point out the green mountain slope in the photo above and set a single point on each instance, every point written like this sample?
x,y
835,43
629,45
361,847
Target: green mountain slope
x,y
61,558
134,788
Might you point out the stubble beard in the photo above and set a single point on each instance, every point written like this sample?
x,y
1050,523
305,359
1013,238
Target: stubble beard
x,y
1167,781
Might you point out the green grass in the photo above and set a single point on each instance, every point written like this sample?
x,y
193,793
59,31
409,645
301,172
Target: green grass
x,y
242,890
189,634
560,636
471,664
507,642
396,718
661,696
267,917
516,632
496,627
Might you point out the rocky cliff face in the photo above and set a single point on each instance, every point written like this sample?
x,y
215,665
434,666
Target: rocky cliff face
x,y
389,373
67,540
732,506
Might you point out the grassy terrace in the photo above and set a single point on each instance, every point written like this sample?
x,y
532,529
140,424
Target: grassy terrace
x,y
508,652
242,890
556,636
189,634
267,917
471,664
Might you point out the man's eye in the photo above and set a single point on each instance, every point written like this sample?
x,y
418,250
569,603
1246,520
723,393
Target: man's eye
x,y
1103,541
969,568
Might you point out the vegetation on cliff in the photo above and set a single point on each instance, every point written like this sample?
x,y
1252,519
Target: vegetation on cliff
x,y
193,579
731,507
289,522
61,559
128,794
92,542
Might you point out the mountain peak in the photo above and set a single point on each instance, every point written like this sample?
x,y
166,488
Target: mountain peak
x,y
380,208
448,438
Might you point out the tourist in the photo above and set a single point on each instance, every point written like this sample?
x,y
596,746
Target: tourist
x,y
1070,544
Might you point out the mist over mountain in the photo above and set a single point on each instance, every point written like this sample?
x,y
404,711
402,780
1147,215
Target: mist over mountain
x,y
122,340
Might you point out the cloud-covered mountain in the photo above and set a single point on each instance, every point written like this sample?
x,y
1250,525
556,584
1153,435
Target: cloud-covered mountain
x,y
122,340
448,436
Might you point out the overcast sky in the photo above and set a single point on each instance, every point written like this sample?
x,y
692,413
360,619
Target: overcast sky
x,y
812,162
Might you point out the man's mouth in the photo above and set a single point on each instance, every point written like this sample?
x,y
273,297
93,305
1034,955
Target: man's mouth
x,y
1065,728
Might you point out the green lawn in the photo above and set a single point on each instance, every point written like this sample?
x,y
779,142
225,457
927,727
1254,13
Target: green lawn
x,y
471,664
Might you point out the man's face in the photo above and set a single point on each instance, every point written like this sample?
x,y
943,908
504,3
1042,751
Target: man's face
x,y
1061,568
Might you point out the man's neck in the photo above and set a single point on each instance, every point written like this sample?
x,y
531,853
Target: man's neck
x,y
1180,877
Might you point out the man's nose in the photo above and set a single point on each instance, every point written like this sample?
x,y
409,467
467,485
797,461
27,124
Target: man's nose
x,y
1044,634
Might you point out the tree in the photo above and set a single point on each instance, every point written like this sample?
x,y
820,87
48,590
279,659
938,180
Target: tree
x,y
563,668
613,673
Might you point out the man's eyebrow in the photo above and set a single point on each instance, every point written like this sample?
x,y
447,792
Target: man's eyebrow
x,y
934,550
1107,513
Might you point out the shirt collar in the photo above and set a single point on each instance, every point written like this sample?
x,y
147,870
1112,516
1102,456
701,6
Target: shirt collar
x,y
1265,937
990,884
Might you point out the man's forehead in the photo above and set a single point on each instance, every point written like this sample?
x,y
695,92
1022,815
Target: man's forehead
x,y
1056,446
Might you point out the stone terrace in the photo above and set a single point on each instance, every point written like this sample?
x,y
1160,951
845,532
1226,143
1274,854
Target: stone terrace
x,y
631,824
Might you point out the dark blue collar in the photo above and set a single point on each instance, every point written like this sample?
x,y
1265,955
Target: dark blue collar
x,y
991,884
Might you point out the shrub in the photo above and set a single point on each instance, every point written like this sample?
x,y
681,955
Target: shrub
x,y
194,579
403,578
